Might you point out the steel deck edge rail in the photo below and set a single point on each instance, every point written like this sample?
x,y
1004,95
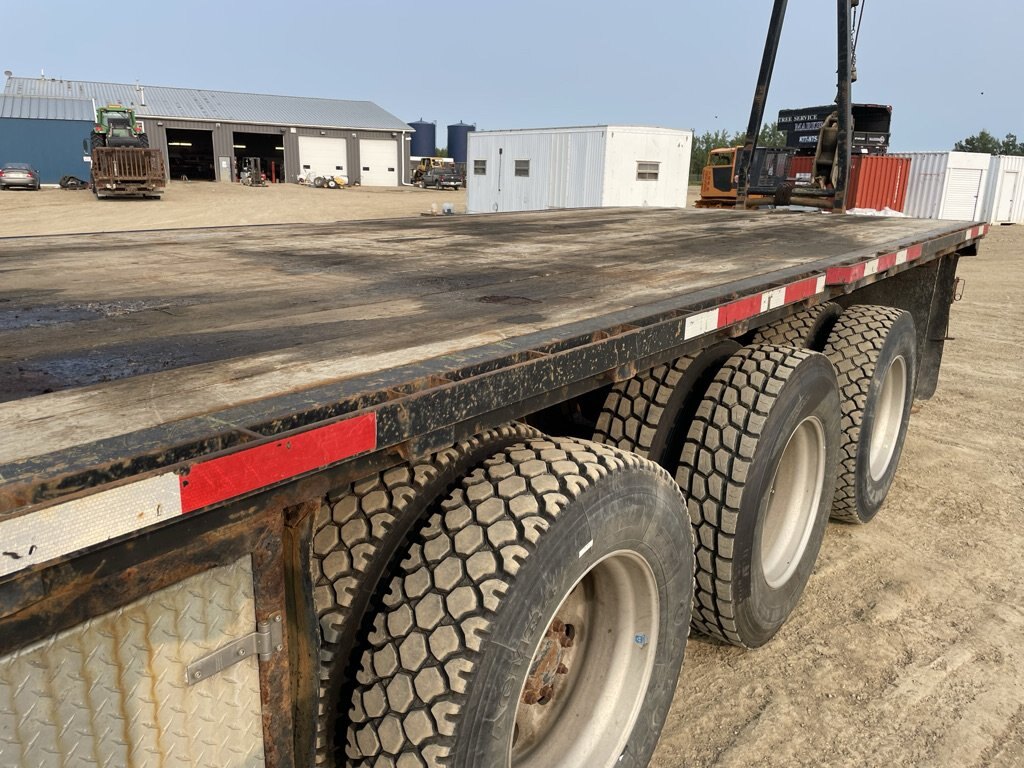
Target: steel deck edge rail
x,y
66,527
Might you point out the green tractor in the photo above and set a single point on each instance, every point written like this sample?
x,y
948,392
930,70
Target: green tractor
x,y
116,127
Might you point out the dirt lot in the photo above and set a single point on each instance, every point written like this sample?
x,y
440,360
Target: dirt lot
x,y
908,646
208,204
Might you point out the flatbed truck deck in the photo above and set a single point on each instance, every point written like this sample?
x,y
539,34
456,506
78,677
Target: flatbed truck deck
x,y
177,399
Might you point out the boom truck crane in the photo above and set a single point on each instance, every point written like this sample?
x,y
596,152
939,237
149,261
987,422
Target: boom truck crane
x,y
833,156
446,507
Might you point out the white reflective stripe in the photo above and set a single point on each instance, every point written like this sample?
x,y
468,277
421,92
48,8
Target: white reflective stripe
x,y
871,268
967,234
901,256
702,323
820,287
773,299
74,525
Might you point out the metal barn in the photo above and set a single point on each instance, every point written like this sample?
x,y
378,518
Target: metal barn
x,y
46,133
580,167
205,134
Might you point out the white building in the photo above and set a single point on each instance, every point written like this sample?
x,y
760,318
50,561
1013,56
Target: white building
x,y
583,167
947,185
1004,203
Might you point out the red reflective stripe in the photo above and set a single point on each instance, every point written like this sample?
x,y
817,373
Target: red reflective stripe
x,y
886,262
914,252
739,310
801,290
238,473
843,275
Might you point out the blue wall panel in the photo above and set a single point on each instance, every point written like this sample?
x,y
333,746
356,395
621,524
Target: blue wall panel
x,y
53,147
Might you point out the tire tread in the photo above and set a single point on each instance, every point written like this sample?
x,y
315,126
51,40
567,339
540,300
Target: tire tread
x,y
426,641
717,454
354,529
853,347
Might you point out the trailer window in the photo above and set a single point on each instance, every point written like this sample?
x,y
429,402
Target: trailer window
x,y
479,167
522,167
647,171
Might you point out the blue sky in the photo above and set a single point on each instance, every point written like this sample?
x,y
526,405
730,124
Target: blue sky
x,y
949,68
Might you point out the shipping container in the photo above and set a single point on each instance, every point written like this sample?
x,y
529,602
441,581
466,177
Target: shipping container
x,y
947,185
1004,200
580,167
876,182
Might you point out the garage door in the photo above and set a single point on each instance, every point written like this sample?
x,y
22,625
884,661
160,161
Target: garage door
x,y
962,194
320,156
378,161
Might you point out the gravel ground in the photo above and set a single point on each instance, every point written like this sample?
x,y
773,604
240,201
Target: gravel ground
x,y
209,204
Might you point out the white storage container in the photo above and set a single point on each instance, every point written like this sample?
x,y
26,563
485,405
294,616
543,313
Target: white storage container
x,y
1004,202
947,185
583,167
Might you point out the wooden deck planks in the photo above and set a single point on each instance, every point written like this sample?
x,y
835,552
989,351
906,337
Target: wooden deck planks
x,y
133,330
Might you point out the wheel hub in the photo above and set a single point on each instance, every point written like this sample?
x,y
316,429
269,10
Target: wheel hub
x,y
793,503
548,663
590,669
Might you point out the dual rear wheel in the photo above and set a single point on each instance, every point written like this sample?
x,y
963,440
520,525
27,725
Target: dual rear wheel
x,y
766,443
539,613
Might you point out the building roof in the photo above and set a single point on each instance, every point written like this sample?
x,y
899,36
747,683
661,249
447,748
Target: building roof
x,y
583,128
227,106
47,108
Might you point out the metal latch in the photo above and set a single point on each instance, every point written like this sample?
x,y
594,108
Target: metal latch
x,y
264,642
958,288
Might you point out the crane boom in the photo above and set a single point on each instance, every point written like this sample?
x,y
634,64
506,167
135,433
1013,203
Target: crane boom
x,y
844,50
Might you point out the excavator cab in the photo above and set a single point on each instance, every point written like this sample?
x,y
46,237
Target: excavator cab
x,y
718,179
721,163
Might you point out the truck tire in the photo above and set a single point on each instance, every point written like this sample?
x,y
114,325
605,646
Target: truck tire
x,y
143,141
758,472
808,329
356,534
97,140
873,350
650,414
491,648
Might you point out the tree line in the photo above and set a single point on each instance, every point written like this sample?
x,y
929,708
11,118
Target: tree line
x,y
990,145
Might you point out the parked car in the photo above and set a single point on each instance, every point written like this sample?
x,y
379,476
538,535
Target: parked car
x,y
18,175
442,177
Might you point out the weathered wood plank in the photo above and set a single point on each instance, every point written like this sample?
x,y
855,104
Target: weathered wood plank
x,y
131,330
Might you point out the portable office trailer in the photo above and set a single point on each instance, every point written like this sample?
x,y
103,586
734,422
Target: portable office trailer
x,y
947,185
1004,201
581,167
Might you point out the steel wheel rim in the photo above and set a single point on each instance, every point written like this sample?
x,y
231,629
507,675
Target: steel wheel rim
x,y
793,502
885,431
598,683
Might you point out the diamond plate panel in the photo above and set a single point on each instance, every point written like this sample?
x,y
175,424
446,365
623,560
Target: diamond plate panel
x,y
112,691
